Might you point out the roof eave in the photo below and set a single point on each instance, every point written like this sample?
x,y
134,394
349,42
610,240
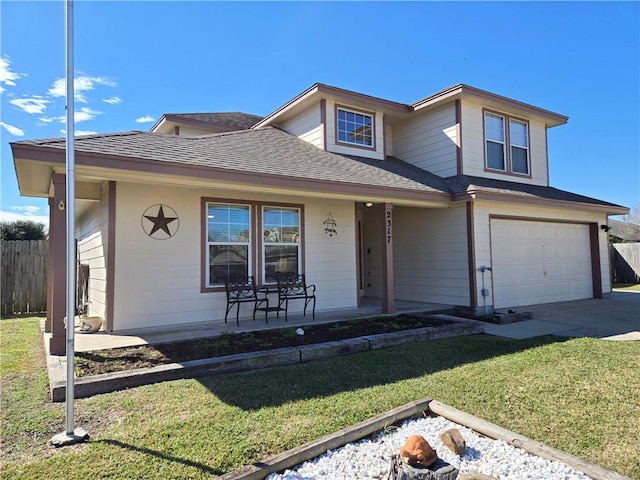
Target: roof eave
x,y
347,95
609,209
461,90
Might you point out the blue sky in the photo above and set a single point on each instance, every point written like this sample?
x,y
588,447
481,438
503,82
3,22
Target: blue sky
x,y
135,61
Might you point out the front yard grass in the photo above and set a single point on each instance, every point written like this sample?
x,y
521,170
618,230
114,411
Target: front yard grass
x,y
627,287
581,396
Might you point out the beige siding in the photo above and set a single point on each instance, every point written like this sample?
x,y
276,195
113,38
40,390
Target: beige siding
x,y
429,141
430,255
92,232
388,141
306,126
473,148
193,132
157,282
482,210
333,146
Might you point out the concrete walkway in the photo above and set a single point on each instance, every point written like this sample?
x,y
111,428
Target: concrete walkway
x,y
614,318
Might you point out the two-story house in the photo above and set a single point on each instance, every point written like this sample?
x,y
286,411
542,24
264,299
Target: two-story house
x,y
446,201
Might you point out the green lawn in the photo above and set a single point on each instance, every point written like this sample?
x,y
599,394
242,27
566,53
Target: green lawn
x,y
581,396
627,287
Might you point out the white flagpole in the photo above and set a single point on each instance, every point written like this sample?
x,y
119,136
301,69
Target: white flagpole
x,y
71,196
71,434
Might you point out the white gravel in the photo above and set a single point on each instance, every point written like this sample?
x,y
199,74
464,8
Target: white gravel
x,y
370,458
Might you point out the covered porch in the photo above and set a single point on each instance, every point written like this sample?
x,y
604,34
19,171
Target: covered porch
x,y
369,307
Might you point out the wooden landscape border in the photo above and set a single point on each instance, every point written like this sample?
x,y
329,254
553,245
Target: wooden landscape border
x,y
291,458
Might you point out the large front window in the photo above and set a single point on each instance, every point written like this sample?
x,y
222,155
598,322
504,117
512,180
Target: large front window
x,y
506,149
250,239
355,127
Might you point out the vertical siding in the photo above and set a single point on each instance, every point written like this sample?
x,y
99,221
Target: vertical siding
x,y
92,233
430,255
333,146
306,126
473,148
157,282
429,141
482,210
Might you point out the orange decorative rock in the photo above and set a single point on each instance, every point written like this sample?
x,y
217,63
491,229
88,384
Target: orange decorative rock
x,y
417,452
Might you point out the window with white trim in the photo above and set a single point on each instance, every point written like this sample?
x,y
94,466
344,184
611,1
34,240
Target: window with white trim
x,y
355,127
250,239
506,150
281,242
228,242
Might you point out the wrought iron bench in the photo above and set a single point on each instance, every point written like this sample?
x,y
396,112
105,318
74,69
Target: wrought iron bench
x,y
292,286
243,290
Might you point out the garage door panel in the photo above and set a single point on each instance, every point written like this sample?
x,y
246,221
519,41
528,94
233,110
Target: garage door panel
x,y
539,262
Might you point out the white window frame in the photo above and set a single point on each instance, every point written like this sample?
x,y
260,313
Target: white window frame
x,y
209,243
513,145
275,238
340,108
255,242
507,144
502,142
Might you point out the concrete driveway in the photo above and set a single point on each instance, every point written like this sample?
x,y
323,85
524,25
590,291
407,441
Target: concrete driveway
x,y
615,318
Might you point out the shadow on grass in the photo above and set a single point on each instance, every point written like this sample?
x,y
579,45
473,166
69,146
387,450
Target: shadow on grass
x,y
326,377
169,458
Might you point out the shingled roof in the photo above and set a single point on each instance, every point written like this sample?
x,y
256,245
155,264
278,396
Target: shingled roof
x,y
270,152
233,120
466,184
266,151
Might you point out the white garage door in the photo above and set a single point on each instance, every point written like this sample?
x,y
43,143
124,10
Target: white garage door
x,y
539,262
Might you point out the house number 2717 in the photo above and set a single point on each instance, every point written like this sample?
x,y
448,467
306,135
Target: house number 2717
x,y
388,220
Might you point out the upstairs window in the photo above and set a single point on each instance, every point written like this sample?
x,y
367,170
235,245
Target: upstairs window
x,y
354,128
506,144
495,140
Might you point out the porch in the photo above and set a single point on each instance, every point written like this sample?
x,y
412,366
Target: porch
x,y
370,307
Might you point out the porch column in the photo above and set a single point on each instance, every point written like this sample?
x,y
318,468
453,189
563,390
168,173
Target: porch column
x,y
58,268
388,300
47,323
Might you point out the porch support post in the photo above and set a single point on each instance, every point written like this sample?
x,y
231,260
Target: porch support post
x,y
388,300
47,322
58,271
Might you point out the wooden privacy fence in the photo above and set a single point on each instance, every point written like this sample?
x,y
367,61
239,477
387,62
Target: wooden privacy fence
x,y
625,262
23,276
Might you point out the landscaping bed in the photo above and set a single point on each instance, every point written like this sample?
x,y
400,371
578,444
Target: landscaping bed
x,y
129,358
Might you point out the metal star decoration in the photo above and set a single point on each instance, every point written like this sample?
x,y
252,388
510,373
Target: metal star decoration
x,y
160,222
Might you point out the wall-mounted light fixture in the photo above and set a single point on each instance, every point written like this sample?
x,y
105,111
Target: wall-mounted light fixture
x,y
368,204
606,228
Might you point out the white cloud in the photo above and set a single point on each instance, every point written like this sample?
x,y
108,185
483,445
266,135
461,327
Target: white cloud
x,y
7,76
85,132
81,84
35,104
85,114
15,131
30,212
112,100
27,210
145,119
81,115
